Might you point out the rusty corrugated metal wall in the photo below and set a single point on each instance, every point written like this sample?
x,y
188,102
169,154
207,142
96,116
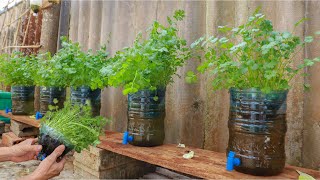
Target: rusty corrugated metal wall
x,y
195,115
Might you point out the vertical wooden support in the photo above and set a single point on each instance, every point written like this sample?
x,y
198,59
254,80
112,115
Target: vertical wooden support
x,y
49,36
50,29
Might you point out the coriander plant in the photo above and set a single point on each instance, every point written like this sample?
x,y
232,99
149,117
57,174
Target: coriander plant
x,y
48,72
252,55
149,63
71,66
17,69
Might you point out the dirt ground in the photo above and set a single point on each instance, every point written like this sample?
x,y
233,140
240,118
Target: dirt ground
x,y
10,170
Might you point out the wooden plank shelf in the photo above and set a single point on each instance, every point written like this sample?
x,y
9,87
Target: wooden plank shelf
x,y
22,119
205,164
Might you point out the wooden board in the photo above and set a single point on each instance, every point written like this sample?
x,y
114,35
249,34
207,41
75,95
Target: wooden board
x,y
22,119
206,164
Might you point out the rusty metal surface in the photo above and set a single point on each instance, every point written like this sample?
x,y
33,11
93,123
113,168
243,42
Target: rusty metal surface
x,y
194,114
311,113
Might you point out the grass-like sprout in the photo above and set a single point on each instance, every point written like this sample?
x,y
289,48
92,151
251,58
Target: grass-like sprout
x,y
73,126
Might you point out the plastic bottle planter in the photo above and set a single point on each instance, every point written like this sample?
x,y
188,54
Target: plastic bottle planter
x,y
22,100
146,113
82,94
48,95
257,128
50,140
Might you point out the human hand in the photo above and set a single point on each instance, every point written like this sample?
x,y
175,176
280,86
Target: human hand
x,y
24,151
49,167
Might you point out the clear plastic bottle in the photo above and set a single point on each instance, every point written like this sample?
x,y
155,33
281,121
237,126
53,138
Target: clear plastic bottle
x,y
83,94
146,113
22,100
257,129
48,95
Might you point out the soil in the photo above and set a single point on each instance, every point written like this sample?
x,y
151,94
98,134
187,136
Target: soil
x,y
44,105
22,100
257,128
146,118
48,95
22,107
82,94
49,144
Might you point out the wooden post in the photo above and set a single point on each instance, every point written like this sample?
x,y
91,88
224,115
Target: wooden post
x,y
49,37
50,29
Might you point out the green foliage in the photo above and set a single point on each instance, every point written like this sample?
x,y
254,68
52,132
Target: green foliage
x,y
252,55
76,125
49,72
150,63
97,61
17,69
71,66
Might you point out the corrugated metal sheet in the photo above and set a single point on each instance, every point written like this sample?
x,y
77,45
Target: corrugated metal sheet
x,y
195,115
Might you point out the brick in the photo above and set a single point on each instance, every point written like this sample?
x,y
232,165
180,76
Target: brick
x,y
2,127
81,172
10,139
97,151
98,163
7,128
102,160
134,169
154,176
23,130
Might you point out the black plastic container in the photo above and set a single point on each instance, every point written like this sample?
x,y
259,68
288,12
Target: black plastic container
x,y
257,129
22,100
48,95
146,113
50,140
83,94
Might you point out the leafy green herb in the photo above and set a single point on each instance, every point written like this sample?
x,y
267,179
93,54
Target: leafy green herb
x,y
71,66
150,63
17,69
49,72
252,55
76,125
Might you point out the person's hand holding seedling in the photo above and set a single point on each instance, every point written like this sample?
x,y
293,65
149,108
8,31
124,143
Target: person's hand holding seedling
x,y
23,151
72,126
27,150
49,167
